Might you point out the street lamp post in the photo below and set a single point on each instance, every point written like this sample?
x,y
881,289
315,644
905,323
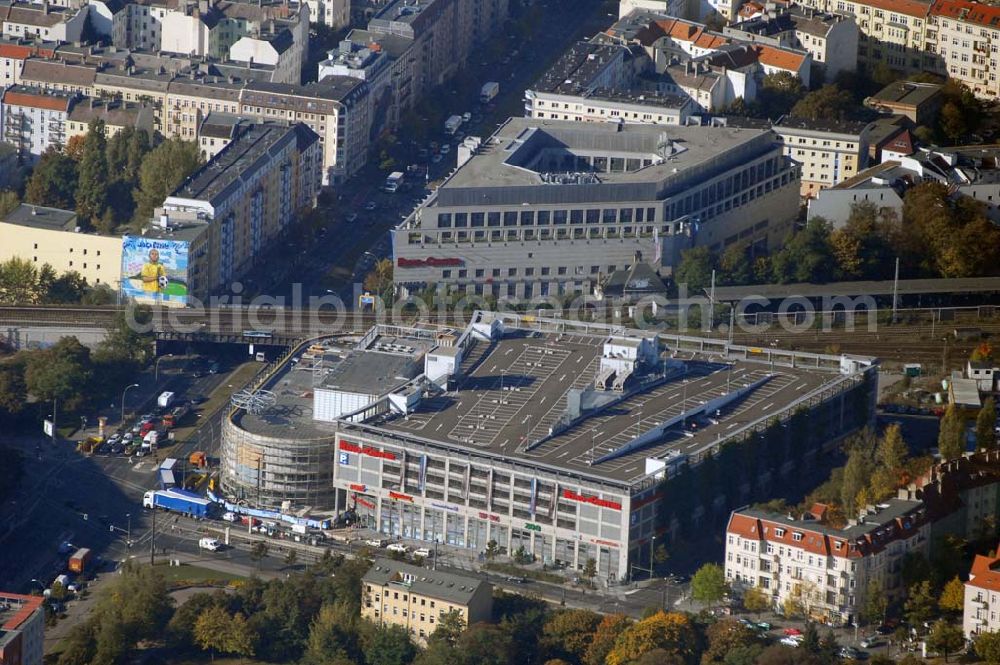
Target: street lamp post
x,y
156,367
127,388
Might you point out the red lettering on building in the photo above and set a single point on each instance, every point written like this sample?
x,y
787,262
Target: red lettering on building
x,y
367,450
400,497
358,488
429,262
593,500
636,505
487,516
366,504
609,543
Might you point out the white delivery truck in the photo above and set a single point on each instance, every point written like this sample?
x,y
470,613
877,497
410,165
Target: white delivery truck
x,y
394,181
165,400
452,124
488,92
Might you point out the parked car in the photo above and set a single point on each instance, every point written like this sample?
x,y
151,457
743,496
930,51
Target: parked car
x,y
792,632
513,579
791,640
231,517
370,206
210,544
423,552
764,625
398,547
870,641
375,542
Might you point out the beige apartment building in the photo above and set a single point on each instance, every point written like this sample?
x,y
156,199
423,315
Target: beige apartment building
x,y
967,37
829,151
892,32
116,115
415,598
48,235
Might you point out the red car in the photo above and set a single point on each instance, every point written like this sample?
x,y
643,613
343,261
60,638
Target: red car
x,y
792,631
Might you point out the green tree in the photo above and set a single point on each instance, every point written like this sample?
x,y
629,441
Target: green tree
x,y
891,451
63,372
708,584
19,282
695,269
9,200
827,103
241,638
162,171
13,389
777,95
53,181
988,647
66,289
735,265
986,422
390,645
92,181
333,637
806,255
875,606
756,600
920,604
492,550
567,634
856,477
673,632
952,122
723,636
211,630
951,437
945,638
291,558
810,638
952,596
611,626
590,571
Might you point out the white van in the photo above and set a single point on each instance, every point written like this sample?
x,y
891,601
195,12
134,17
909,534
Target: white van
x,y
210,544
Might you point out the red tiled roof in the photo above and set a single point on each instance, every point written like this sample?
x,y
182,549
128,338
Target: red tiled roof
x,y
970,12
908,7
985,573
28,606
36,101
779,58
23,51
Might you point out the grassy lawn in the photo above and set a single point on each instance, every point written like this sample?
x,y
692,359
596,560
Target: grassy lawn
x,y
186,573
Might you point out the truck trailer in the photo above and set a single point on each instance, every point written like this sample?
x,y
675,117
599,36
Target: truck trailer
x,y
165,400
452,124
488,92
177,501
80,561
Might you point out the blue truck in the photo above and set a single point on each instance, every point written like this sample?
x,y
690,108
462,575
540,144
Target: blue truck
x,y
177,501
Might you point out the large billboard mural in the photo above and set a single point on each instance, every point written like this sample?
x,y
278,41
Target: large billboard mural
x,y
155,270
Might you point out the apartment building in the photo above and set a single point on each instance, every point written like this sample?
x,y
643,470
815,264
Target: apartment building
x,y
333,13
22,629
968,170
338,109
967,37
48,235
116,116
982,597
830,152
13,54
410,47
830,39
190,99
416,598
240,201
894,33
58,76
679,8
34,120
550,206
382,62
826,570
217,131
50,23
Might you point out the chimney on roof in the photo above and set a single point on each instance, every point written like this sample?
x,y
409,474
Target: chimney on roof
x,y
45,6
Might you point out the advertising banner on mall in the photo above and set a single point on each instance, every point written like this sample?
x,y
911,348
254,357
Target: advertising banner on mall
x,y
155,270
